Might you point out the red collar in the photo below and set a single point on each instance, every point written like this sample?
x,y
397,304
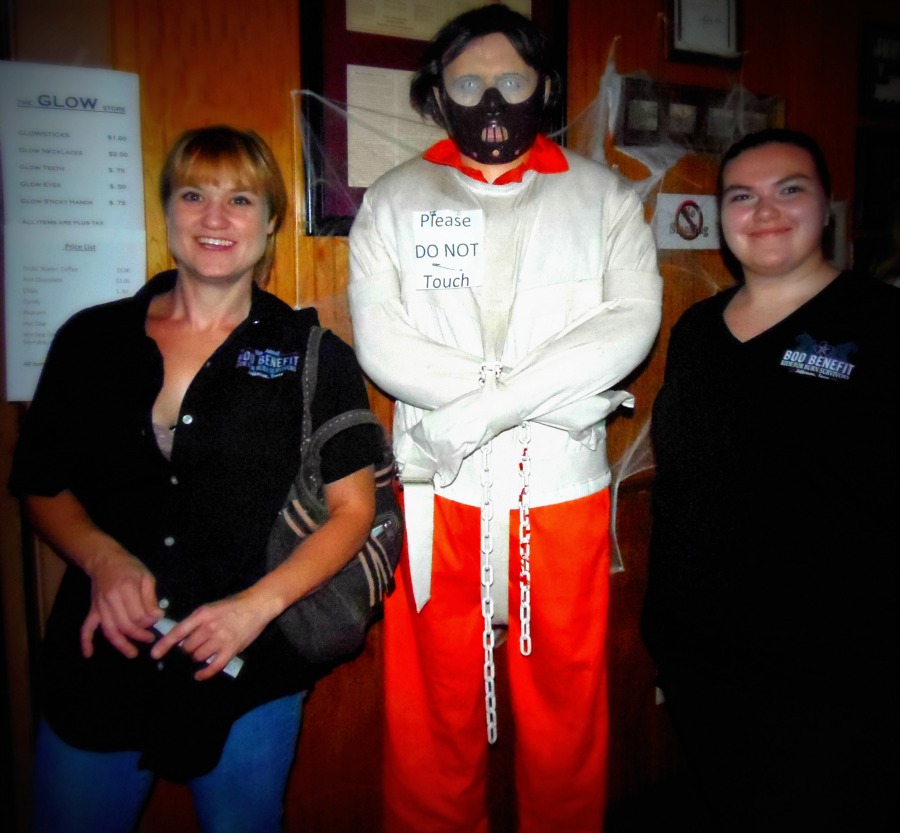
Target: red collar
x,y
545,157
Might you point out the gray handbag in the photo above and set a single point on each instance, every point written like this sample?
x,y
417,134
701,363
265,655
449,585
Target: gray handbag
x,y
329,624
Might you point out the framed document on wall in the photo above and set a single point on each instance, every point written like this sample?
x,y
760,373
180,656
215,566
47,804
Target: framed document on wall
x,y
879,71
357,57
705,31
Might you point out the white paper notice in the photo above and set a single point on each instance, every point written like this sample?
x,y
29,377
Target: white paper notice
x,y
412,18
73,224
383,130
449,250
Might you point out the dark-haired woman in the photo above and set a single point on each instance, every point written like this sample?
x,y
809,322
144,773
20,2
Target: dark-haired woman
x,y
772,601
160,445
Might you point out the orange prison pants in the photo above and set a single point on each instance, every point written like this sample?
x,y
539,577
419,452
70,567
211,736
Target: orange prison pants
x,y
436,739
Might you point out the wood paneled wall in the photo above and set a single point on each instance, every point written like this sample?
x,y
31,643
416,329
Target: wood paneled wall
x,y
212,61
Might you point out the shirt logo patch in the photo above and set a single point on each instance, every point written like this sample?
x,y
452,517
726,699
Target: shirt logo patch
x,y
269,364
820,359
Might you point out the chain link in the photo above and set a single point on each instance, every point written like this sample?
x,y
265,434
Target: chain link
x,y
487,603
523,436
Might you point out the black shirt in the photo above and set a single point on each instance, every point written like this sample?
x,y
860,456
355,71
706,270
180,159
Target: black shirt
x,y
200,521
774,551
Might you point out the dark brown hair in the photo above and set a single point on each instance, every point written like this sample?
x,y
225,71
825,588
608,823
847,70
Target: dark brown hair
x,y
525,37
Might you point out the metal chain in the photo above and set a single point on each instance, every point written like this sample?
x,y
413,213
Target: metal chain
x,y
487,603
523,436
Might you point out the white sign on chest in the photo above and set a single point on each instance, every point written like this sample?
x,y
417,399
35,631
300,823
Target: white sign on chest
x,y
448,250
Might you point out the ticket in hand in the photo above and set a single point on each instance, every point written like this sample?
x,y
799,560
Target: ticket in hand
x,y
232,669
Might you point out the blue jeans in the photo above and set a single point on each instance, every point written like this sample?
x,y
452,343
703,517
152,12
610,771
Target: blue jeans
x,y
79,791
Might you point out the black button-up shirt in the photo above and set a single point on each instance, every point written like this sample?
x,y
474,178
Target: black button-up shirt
x,y
199,521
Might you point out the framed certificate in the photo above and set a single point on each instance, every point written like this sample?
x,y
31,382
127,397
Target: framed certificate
x,y
705,31
879,70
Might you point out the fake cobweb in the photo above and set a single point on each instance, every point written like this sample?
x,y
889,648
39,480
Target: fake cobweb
x,y
382,131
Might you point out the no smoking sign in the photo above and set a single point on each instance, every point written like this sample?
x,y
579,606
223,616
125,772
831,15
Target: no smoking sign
x,y
686,221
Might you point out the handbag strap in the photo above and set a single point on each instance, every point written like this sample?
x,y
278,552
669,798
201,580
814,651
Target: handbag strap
x,y
313,441
310,379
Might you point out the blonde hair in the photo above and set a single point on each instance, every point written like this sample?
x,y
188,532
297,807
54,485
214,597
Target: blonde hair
x,y
205,154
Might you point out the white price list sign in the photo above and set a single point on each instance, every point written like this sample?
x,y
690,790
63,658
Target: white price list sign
x,y
73,197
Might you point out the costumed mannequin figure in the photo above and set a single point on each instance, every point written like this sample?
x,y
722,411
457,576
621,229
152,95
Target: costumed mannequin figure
x,y
500,287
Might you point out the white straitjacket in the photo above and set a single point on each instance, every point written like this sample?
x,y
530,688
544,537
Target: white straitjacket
x,y
480,307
